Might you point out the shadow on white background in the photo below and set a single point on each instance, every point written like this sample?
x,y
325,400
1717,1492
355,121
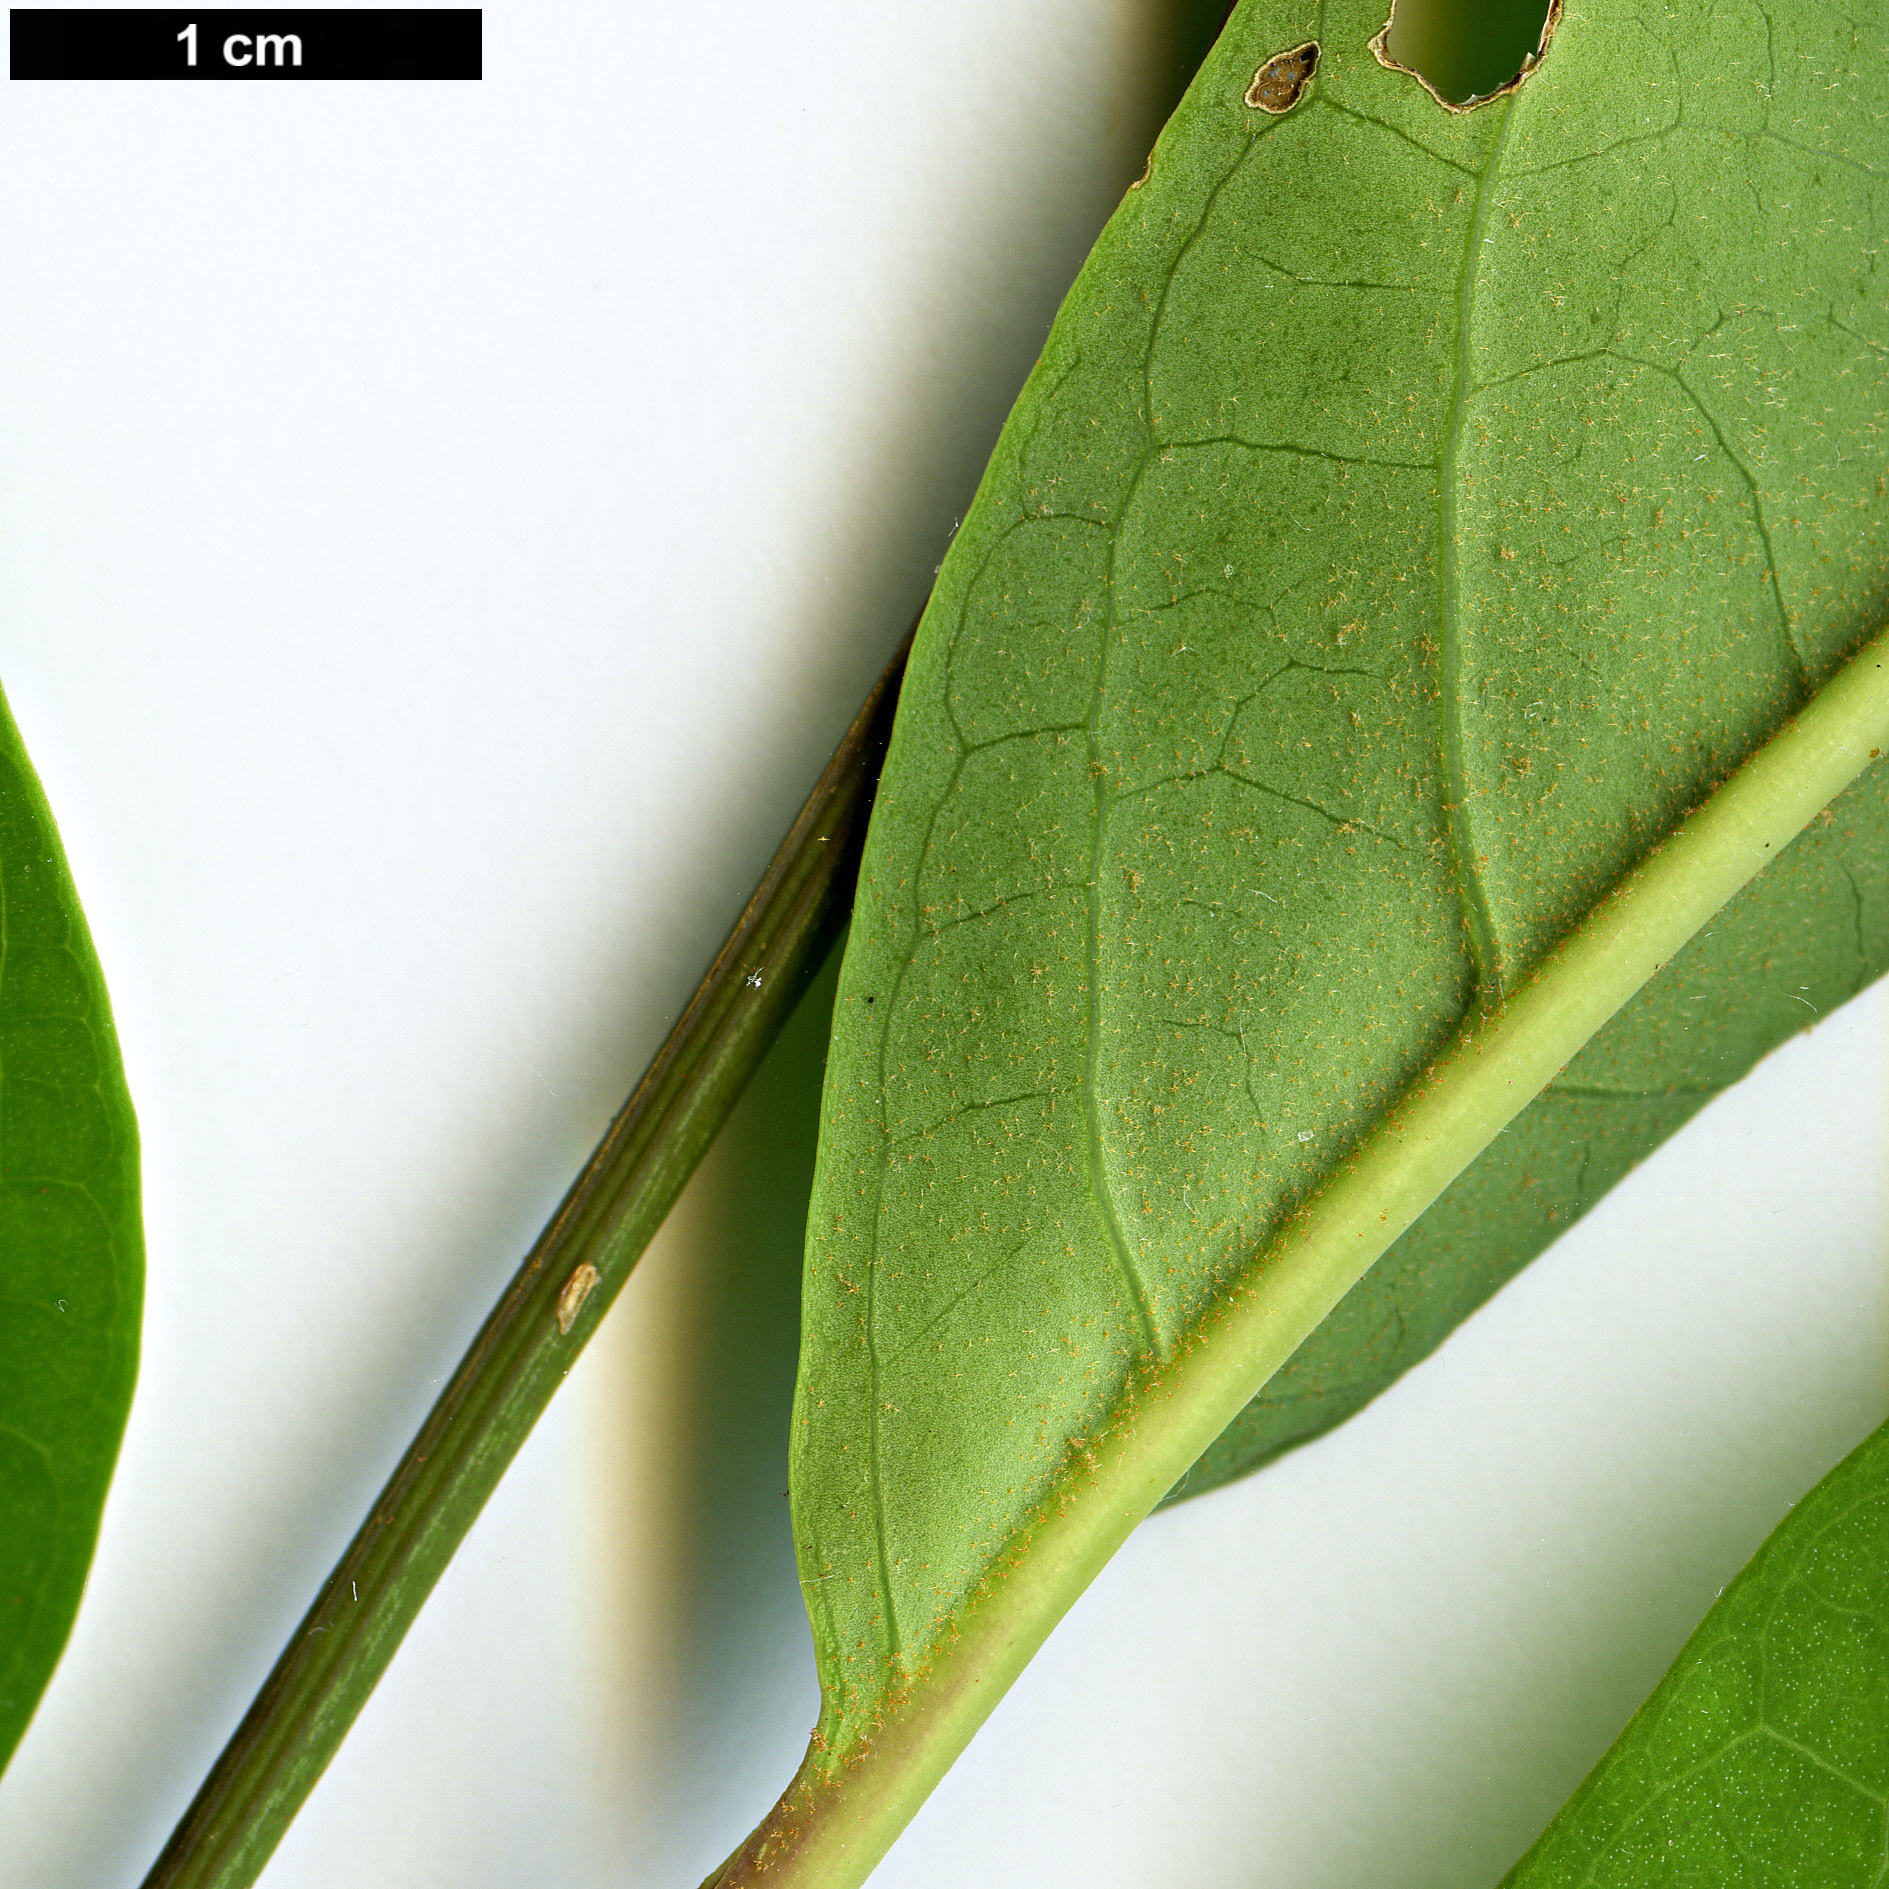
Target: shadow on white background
x,y
1382,1663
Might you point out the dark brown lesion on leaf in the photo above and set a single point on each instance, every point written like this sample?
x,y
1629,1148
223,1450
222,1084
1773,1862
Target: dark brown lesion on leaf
x,y
1280,83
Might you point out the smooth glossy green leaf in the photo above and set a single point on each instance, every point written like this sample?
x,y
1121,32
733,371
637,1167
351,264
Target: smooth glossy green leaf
x,y
71,1244
1763,1756
1413,514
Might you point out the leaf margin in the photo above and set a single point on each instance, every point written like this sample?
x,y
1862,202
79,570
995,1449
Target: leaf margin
x,y
41,1647
1555,1855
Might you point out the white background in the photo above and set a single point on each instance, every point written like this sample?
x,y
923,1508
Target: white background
x,y
442,531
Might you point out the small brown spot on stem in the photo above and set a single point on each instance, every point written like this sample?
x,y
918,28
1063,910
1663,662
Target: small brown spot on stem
x,y
1278,85
577,1288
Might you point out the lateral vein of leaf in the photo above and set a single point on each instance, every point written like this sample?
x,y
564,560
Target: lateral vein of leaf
x,y
1604,151
882,1564
1133,1282
1160,311
65,1185
983,911
1135,1285
1833,1519
1843,327
1750,1735
1546,366
1665,1789
973,1108
1810,150
1416,144
32,1443
1757,503
1822,1763
1343,822
957,1298
1856,916
1022,734
1296,452
1339,281
1484,948
1220,765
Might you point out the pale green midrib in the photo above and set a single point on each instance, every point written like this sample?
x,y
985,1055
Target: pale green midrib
x,y
835,1826
1479,920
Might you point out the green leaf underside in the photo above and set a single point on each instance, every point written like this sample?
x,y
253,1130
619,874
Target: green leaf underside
x,y
1763,1756
71,1244
1411,516
1799,941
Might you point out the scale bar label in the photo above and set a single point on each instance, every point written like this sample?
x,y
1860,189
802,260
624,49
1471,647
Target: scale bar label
x,y
270,43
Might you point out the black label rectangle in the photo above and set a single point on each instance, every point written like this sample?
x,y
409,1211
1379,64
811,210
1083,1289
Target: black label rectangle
x,y
266,43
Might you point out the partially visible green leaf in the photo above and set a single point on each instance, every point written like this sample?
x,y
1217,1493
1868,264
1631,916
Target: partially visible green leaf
x,y
1763,1756
71,1244
1413,514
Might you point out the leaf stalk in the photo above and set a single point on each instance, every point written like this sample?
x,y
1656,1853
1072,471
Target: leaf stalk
x,y
527,1346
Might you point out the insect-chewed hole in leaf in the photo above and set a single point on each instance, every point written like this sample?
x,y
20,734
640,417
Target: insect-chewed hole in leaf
x,y
1280,83
1466,52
